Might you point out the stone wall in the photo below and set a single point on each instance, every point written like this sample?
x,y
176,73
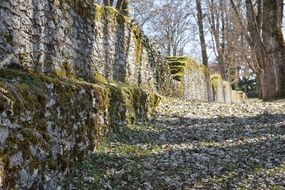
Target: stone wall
x,y
218,88
192,80
78,39
238,96
47,125
227,92
71,71
223,93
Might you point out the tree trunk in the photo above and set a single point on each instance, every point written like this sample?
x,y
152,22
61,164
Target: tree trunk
x,y
106,2
125,8
174,50
279,55
122,6
265,37
169,48
259,86
273,78
268,80
268,46
223,42
119,4
201,33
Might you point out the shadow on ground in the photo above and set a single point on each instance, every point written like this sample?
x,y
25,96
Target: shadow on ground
x,y
184,153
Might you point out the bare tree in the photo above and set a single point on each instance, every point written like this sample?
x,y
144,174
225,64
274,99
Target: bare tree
x,y
216,19
142,14
201,33
263,33
168,24
123,6
120,5
108,2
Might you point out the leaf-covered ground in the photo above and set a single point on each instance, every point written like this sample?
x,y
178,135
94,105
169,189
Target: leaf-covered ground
x,y
192,145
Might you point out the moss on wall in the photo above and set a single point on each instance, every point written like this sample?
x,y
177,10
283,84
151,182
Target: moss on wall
x,y
44,112
94,14
238,96
216,80
138,43
98,13
183,67
180,64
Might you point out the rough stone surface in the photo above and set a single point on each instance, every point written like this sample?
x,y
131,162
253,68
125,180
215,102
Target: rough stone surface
x,y
78,39
192,80
71,74
238,96
50,124
218,88
227,92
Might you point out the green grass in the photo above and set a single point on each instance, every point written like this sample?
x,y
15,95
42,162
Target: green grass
x,y
134,140
276,187
276,170
113,154
129,149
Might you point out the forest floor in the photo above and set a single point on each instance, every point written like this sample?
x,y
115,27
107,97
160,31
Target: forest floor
x,y
193,145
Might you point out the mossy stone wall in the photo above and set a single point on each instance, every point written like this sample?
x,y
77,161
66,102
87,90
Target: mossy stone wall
x,y
71,72
238,96
78,39
49,124
227,92
218,88
192,80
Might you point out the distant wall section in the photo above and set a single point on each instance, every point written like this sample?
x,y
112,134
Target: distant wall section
x,y
192,81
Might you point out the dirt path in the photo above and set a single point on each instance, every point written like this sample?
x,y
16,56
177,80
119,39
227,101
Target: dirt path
x,y
191,145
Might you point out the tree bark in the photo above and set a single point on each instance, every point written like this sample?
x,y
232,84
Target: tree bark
x,y
266,40
106,2
273,78
168,48
254,27
222,47
201,33
119,4
122,6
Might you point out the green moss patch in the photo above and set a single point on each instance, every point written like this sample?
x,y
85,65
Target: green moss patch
x,y
119,150
43,112
182,66
179,65
216,80
238,96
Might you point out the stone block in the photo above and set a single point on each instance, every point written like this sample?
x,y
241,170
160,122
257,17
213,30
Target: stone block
x,y
218,88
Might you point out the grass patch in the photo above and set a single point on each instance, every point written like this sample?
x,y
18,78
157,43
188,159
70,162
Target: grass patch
x,y
130,149
276,170
276,187
135,140
115,159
